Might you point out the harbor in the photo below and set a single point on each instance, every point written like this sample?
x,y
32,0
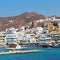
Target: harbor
x,y
29,30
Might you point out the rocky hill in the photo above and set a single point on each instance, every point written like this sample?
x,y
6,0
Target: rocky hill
x,y
16,21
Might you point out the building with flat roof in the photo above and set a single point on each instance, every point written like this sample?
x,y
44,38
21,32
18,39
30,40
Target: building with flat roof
x,y
11,36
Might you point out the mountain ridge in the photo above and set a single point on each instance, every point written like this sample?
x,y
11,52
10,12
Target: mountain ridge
x,y
22,19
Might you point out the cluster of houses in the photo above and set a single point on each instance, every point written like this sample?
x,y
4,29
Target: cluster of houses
x,y
30,35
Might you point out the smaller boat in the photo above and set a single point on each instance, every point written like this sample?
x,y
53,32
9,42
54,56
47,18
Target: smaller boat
x,y
46,45
56,45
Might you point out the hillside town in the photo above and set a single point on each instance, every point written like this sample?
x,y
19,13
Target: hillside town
x,y
29,30
42,32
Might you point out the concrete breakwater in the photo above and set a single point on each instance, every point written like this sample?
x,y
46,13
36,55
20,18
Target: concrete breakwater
x,y
20,52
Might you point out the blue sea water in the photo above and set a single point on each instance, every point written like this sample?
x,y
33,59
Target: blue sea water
x,y
46,54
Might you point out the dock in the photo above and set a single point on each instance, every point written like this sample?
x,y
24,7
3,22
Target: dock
x,y
20,52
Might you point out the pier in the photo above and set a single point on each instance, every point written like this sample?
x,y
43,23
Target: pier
x,y
20,52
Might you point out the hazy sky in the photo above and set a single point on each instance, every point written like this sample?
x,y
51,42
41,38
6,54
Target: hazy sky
x,y
16,7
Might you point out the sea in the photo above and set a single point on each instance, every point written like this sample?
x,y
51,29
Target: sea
x,y
46,54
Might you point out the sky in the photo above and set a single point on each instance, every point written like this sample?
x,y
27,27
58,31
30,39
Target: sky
x,y
17,7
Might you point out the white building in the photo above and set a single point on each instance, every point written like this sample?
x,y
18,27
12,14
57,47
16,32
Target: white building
x,y
2,38
43,38
21,36
22,28
30,38
11,35
40,20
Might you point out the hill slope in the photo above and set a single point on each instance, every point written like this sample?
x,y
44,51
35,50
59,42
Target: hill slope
x,y
16,21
